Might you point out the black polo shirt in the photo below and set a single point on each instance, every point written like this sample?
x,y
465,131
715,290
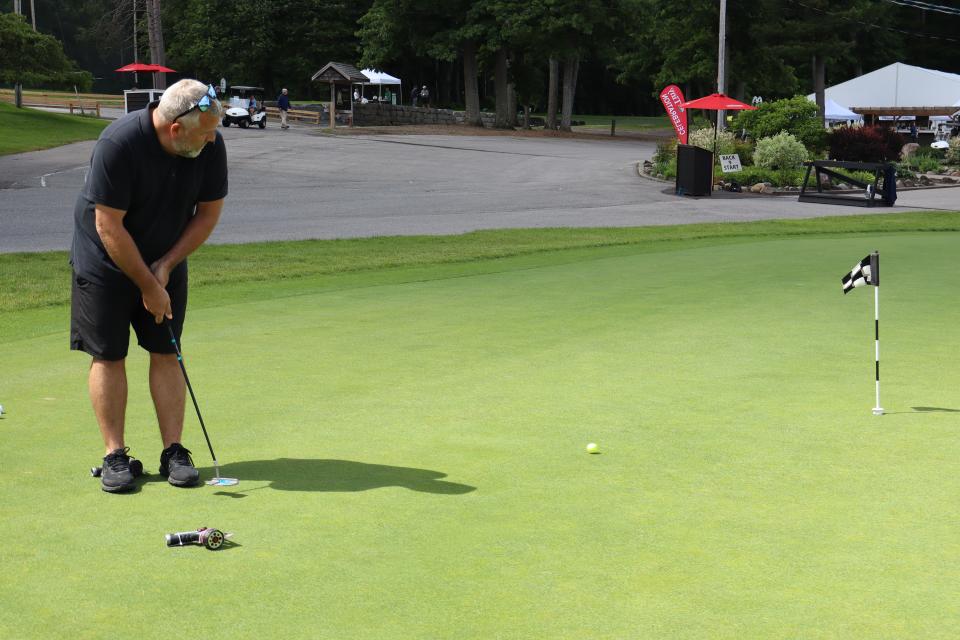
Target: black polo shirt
x,y
129,170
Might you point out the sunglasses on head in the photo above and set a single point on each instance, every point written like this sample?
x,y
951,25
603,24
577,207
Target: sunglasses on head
x,y
203,103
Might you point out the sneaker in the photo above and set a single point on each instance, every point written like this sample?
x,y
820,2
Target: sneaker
x,y
177,466
116,476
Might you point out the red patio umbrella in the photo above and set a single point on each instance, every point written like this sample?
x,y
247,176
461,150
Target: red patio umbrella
x,y
717,102
150,68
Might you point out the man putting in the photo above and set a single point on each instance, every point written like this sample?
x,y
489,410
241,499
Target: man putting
x,y
154,194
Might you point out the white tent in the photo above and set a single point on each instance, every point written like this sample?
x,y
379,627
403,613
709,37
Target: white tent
x,y
897,85
839,113
380,79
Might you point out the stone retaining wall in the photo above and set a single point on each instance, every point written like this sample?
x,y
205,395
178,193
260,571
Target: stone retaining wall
x,y
375,114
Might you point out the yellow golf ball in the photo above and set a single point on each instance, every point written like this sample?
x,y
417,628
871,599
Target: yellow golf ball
x,y
593,448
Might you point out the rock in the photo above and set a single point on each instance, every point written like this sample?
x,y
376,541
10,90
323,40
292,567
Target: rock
x,y
768,188
757,188
900,184
925,181
908,150
909,183
948,180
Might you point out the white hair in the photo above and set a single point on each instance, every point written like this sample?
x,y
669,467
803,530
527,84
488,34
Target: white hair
x,y
180,97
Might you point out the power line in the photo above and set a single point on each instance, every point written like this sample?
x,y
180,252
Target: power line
x,y
926,6
874,26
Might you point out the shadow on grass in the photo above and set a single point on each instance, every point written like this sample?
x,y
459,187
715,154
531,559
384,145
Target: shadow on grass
x,y
933,409
294,474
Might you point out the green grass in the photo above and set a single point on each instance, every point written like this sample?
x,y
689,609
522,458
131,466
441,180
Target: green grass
x,y
30,129
626,122
30,280
410,444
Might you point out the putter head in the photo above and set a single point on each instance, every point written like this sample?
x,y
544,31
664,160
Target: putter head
x,y
222,482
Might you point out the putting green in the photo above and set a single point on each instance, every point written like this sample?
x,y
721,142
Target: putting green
x,y
410,446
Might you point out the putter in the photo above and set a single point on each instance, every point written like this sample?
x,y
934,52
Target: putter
x,y
217,480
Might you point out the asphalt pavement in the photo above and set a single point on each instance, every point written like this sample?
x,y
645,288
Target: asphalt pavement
x,y
298,184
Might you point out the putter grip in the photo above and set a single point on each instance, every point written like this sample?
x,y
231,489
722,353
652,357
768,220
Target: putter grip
x,y
180,539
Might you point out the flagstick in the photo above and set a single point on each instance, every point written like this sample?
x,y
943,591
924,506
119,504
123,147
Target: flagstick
x,y
877,410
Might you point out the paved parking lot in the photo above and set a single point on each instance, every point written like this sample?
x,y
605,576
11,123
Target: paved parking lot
x,y
296,184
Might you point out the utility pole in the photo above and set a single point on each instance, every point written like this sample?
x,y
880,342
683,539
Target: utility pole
x,y
135,85
33,15
17,87
721,62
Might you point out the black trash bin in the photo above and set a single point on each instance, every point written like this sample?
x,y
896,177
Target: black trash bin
x,y
694,171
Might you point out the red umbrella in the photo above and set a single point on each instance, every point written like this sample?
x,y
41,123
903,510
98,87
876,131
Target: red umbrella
x,y
717,102
139,66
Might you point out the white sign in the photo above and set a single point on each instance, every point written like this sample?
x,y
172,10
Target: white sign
x,y
730,163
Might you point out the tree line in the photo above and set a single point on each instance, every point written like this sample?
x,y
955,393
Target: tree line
x,y
553,56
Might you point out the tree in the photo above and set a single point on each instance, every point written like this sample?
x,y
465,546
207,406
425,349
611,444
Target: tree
x,y
572,29
29,57
158,54
273,43
439,30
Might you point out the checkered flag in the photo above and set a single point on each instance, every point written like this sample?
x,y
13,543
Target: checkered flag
x,y
865,273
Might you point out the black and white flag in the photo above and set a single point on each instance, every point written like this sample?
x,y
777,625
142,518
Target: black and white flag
x,y
865,273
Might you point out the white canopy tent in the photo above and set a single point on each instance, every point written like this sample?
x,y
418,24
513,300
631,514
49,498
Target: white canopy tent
x,y
380,79
838,113
897,85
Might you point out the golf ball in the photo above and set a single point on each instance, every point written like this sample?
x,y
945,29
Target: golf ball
x,y
593,448
1,409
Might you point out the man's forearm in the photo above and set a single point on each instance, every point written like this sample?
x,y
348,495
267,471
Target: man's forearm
x,y
195,234
124,252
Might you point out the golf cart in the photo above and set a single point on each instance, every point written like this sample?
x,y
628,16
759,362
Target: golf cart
x,y
239,111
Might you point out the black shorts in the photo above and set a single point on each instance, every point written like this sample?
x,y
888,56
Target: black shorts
x,y
101,317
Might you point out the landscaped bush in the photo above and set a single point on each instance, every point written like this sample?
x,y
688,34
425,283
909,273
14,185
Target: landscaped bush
x,y
953,153
865,144
922,163
782,151
666,151
796,115
703,138
744,149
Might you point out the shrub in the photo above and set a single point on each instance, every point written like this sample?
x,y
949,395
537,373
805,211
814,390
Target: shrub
x,y
797,116
744,149
782,151
923,163
953,153
865,144
666,151
703,138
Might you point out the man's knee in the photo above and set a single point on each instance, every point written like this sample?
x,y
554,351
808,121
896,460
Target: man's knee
x,y
109,365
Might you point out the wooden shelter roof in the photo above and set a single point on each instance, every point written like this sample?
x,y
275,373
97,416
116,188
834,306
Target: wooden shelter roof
x,y
340,73
905,111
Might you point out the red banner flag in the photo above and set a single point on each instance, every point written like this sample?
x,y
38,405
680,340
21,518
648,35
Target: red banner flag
x,y
672,98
